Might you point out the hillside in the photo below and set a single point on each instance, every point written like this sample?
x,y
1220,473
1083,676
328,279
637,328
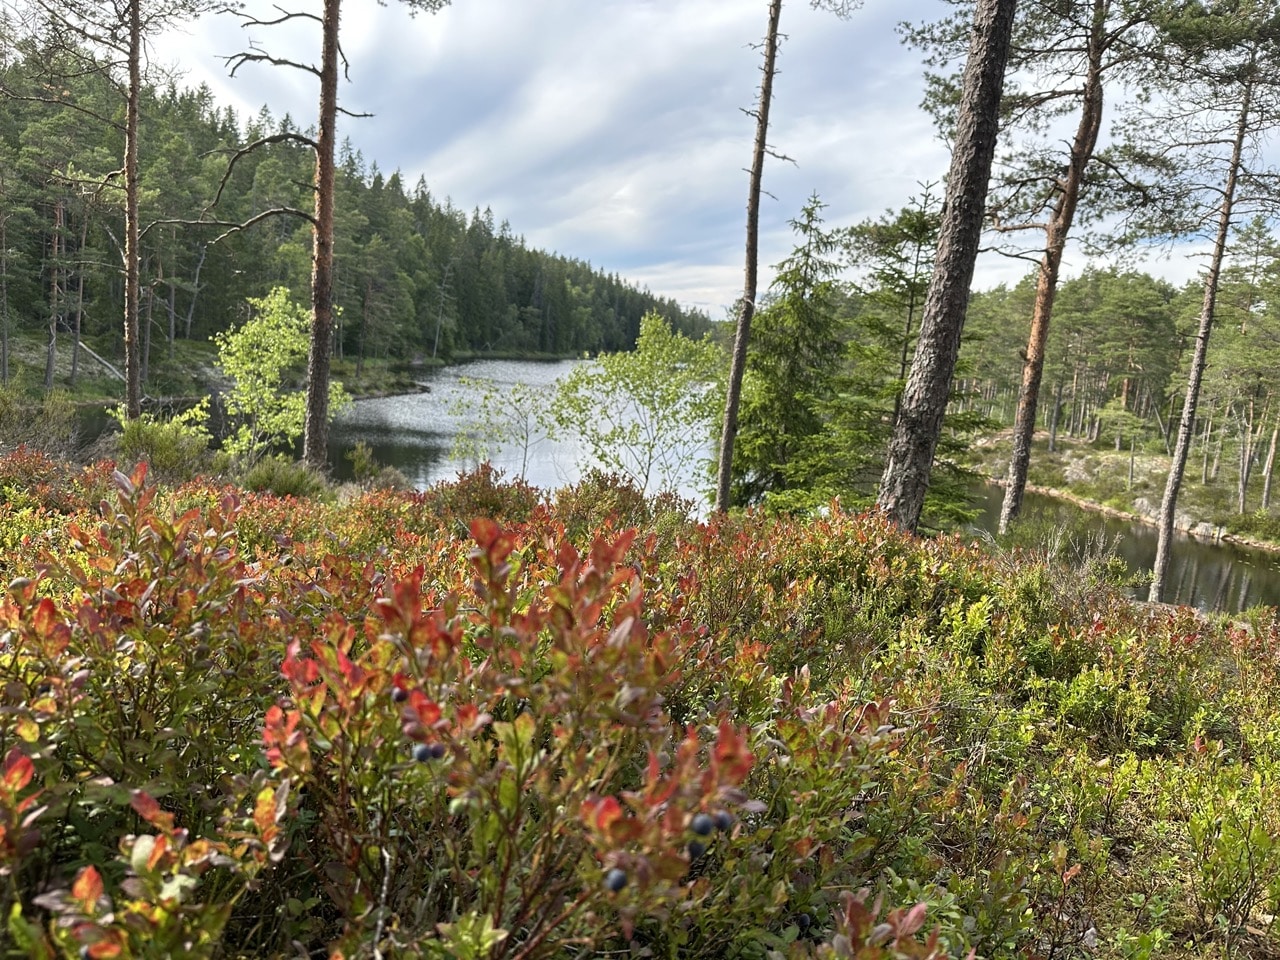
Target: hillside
x,y
417,278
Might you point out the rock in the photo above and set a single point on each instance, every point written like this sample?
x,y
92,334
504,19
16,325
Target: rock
x,y
1145,508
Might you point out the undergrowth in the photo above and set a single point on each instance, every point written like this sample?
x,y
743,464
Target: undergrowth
x,y
483,721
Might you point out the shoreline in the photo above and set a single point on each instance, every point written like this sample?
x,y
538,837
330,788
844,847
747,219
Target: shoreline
x,y
1214,534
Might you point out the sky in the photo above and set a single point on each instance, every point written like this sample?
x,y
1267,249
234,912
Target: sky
x,y
613,130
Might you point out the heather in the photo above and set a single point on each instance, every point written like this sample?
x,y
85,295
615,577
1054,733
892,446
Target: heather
x,y
489,721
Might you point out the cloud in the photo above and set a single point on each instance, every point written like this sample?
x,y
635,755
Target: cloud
x,y
613,130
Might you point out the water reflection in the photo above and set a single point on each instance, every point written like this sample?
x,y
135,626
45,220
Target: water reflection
x,y
1222,577
415,433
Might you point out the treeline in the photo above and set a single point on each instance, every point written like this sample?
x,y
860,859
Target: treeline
x,y
1118,357
416,277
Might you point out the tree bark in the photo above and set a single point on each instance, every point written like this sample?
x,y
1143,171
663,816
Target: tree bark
x,y
316,428
1055,415
747,308
1059,226
79,322
132,254
924,401
57,245
1169,503
1266,473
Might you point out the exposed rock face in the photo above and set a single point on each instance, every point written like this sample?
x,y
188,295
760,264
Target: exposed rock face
x,y
1145,508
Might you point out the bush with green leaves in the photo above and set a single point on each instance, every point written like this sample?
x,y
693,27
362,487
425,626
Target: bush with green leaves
x,y
176,448
477,721
646,414
48,423
265,358
285,477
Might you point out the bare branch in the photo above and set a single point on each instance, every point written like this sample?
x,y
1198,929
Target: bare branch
x,y
285,17
231,225
238,60
249,148
9,94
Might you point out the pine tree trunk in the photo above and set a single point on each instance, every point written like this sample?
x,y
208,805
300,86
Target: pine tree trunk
x,y
746,309
1246,457
1054,417
79,322
1206,444
1059,226
132,242
316,430
145,372
1169,503
924,402
57,246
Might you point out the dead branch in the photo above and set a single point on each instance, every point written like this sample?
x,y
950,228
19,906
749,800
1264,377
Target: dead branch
x,y
238,60
249,148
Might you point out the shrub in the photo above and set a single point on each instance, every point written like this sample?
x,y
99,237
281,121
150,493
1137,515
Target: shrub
x,y
238,724
284,477
175,449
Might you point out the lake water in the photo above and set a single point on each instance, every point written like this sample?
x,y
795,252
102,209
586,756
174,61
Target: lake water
x,y
416,433
1211,576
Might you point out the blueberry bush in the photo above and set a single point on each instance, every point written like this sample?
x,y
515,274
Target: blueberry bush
x,y
484,721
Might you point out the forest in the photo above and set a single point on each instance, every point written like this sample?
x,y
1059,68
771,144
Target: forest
x,y
415,277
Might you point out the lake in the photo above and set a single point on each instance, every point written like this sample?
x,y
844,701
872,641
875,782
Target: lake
x,y
416,433
1222,577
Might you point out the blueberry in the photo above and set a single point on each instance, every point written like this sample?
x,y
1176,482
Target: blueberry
x,y
422,752
702,825
615,879
437,751
696,849
723,821
399,694
803,920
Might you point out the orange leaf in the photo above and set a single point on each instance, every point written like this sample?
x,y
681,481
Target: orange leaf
x,y
602,813
158,850
149,810
87,888
18,770
44,618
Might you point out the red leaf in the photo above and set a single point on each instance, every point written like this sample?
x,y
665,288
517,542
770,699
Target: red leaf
x,y
18,770
601,814
149,810
87,888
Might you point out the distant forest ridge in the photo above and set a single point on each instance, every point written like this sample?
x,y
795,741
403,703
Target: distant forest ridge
x,y
416,276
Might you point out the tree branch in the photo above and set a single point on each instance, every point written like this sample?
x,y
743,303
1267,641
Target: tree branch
x,y
238,60
249,148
